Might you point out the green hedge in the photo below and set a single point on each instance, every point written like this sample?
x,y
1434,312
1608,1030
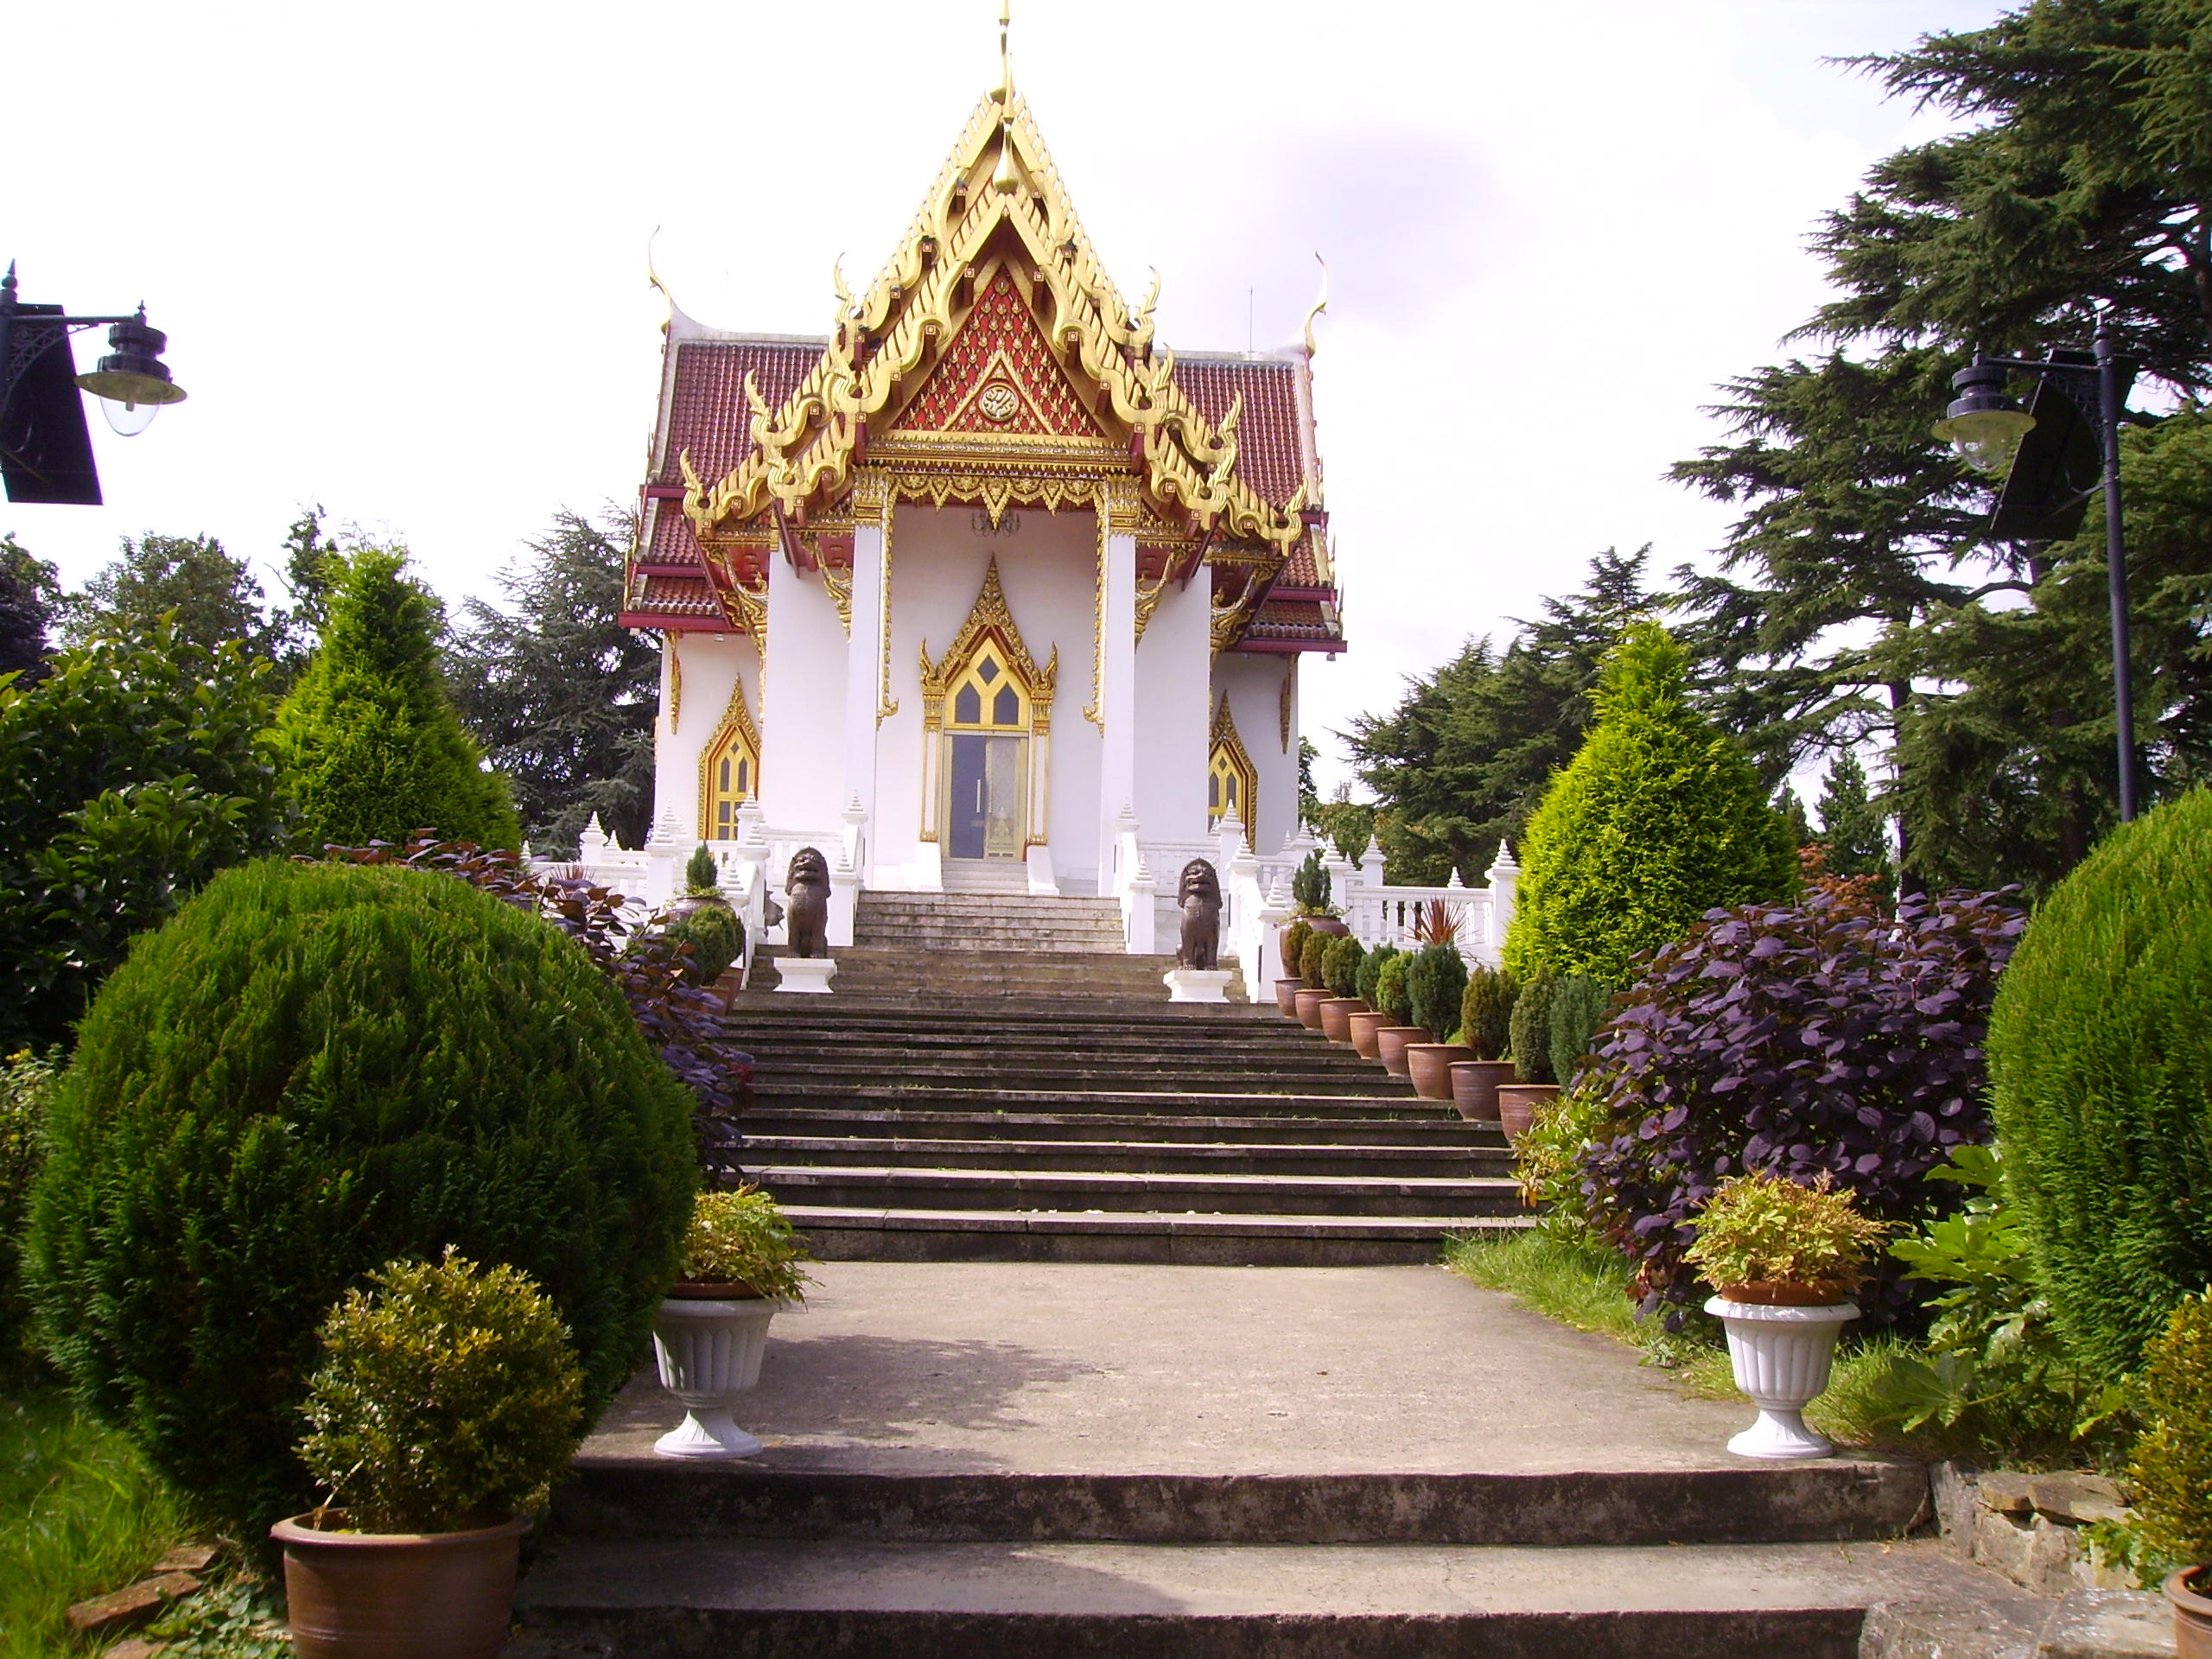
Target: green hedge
x,y
2101,1072
311,1071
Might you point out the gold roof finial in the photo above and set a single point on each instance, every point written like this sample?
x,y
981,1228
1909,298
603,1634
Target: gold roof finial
x,y
1003,93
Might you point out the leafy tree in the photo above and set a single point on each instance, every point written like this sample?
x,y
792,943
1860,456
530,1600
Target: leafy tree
x,y
1855,583
561,695
1854,829
314,564
1461,762
370,743
216,597
132,772
1658,819
30,596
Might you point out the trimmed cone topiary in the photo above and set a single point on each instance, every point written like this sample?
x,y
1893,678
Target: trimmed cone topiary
x,y
1658,818
1309,957
2101,1073
1370,974
1486,1012
1434,984
1530,1029
1391,988
2169,1468
1340,964
1293,945
1579,1004
311,1071
701,875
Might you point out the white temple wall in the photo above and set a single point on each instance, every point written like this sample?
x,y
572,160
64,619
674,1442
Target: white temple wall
x,y
1254,681
710,664
1175,709
1048,568
801,705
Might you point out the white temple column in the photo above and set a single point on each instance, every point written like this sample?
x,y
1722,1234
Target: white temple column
x,y
863,674
1117,694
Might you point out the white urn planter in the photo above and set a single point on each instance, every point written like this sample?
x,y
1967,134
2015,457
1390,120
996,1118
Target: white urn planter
x,y
709,1353
1782,1356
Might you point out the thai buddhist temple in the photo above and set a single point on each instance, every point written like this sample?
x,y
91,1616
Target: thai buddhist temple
x,y
988,580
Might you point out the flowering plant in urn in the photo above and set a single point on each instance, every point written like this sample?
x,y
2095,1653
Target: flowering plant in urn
x,y
742,1244
1762,1237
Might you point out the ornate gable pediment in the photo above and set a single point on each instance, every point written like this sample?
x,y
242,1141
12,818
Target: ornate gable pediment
x,y
997,381
997,208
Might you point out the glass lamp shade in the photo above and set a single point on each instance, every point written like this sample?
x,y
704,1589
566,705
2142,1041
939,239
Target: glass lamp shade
x,y
1985,438
129,419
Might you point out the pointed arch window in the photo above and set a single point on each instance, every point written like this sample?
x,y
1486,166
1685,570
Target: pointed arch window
x,y
1232,781
729,769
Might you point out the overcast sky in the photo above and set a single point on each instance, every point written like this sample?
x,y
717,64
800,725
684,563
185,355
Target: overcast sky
x,y
400,250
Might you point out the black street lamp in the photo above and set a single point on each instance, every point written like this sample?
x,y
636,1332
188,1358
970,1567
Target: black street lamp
x,y
2053,455
46,453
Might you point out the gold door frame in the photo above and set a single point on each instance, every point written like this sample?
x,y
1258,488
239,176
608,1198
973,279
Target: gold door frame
x,y
989,622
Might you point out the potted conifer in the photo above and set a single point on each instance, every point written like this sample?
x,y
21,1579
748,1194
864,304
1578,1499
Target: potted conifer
x,y
2170,1466
702,919
741,1262
1340,962
1398,1030
1435,983
1486,1008
1784,1258
447,1401
1361,1028
1292,943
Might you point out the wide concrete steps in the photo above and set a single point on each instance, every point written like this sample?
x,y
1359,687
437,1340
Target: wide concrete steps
x,y
978,924
1002,1459
1096,1128
1001,1600
956,974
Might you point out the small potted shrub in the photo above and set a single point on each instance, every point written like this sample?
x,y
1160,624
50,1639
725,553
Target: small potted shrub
x,y
2170,1470
1362,1028
702,919
1530,1031
1784,1258
1291,943
1340,961
447,1401
1313,986
1398,1029
1485,1007
1309,891
1435,982
741,1262
1579,1004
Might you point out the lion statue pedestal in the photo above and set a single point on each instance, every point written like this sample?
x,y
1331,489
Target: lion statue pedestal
x,y
809,975
1195,984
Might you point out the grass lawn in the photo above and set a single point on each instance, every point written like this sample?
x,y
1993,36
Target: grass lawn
x,y
81,1513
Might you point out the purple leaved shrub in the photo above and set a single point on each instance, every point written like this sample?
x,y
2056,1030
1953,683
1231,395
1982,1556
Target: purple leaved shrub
x,y
686,1024
1829,1035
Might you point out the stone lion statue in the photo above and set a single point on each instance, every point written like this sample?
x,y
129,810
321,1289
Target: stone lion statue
x,y
806,891
1198,896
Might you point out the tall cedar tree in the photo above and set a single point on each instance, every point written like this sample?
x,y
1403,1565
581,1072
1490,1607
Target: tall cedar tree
x,y
30,596
2084,181
215,596
1658,819
1461,762
1853,830
561,695
372,747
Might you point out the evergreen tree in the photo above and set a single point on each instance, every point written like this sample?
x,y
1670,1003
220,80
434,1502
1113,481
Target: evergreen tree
x,y
2083,183
369,739
561,695
1794,824
313,562
30,594
216,597
1855,832
1659,818
1458,767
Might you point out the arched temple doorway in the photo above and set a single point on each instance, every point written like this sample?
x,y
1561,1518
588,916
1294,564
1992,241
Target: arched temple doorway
x,y
986,722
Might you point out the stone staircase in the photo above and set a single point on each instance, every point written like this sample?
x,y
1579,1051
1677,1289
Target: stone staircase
x,y
991,1082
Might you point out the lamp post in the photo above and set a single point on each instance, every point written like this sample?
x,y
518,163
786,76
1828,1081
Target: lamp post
x,y
2043,453
45,452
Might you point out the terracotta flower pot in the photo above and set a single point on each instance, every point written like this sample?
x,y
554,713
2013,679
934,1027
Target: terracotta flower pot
x,y
2192,1615
1391,1044
1285,989
1429,1065
1309,999
1361,1032
1329,925
373,1595
1335,1017
1474,1088
1519,1103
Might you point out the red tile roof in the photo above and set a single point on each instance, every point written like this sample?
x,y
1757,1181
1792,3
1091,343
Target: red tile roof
x,y
707,413
1270,458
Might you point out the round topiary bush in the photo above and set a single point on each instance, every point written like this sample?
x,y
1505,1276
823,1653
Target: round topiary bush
x,y
1341,965
313,1070
2100,1067
1434,984
1390,988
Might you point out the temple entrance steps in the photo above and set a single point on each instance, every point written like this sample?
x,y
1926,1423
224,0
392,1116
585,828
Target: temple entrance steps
x,y
1017,1124
986,922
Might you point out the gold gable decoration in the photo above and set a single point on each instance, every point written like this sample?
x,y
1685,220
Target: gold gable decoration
x,y
989,616
998,177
